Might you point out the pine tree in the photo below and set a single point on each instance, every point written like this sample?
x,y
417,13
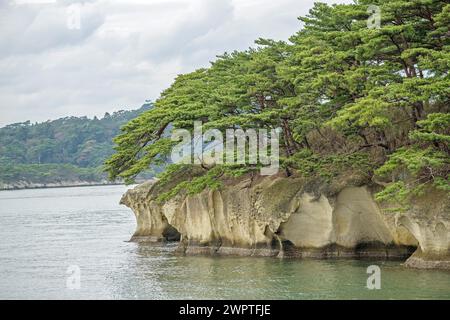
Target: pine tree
x,y
349,100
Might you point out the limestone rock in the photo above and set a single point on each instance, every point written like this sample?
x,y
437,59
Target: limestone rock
x,y
428,221
290,217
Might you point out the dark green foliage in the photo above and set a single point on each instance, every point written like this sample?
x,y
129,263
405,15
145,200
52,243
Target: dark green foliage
x,y
49,173
196,182
65,149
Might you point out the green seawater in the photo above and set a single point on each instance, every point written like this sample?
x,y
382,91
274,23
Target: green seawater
x,y
44,232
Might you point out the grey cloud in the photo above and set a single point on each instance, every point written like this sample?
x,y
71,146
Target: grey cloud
x,y
35,28
125,51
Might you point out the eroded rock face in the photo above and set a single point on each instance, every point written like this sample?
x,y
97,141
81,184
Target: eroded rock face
x,y
151,221
428,221
310,225
286,217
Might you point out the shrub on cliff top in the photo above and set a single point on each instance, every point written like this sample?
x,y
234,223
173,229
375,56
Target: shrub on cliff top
x,y
347,97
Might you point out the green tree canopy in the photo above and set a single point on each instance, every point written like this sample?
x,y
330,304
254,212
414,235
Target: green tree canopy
x,y
67,149
348,98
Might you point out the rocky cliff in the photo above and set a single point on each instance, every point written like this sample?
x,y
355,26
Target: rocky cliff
x,y
290,217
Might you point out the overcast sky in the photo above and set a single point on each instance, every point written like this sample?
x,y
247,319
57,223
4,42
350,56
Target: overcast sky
x,y
118,53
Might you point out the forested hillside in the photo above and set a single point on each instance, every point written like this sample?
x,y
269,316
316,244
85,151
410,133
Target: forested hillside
x,y
351,100
67,149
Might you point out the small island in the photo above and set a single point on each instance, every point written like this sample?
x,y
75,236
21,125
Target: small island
x,y
364,166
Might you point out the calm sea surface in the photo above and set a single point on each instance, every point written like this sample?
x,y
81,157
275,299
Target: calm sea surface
x,y
47,234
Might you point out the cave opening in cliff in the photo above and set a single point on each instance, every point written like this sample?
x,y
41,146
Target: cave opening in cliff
x,y
171,233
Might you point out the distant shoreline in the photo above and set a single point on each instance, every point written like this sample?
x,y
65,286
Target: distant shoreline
x,y
62,185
